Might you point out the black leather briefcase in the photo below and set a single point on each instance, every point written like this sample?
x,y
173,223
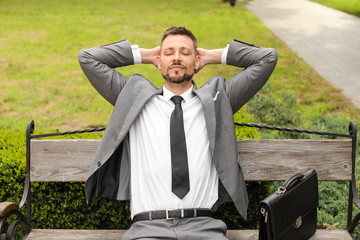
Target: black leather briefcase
x,y
290,213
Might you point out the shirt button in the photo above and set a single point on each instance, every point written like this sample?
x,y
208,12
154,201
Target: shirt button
x,y
98,164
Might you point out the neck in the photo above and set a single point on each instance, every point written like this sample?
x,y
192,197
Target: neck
x,y
178,88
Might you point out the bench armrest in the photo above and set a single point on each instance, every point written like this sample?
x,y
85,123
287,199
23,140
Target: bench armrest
x,y
6,207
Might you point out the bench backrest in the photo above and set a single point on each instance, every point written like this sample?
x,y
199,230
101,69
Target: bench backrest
x,y
66,160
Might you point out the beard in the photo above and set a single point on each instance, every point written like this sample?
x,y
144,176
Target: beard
x,y
178,79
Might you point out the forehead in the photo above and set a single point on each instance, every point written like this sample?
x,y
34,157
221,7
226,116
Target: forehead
x,y
177,42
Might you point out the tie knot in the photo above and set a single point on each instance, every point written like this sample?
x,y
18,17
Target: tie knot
x,y
176,99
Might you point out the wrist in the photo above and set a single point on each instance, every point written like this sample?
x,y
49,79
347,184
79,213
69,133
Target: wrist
x,y
146,56
149,56
213,56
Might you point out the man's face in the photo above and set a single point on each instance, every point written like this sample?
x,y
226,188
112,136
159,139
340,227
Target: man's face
x,y
178,59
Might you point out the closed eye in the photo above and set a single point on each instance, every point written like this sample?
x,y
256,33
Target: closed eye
x,y
186,52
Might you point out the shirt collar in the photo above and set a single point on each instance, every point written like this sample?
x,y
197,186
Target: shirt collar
x,y
186,95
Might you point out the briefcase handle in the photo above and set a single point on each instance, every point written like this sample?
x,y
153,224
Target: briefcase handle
x,y
289,183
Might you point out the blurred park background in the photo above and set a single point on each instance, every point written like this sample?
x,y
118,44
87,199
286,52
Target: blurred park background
x,y
40,79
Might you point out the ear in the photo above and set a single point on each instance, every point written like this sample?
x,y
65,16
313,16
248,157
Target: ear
x,y
197,62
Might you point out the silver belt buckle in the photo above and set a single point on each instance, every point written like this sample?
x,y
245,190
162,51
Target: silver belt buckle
x,y
169,218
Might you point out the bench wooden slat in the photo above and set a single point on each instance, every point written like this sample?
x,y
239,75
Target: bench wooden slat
x,y
59,234
69,234
64,160
279,159
320,234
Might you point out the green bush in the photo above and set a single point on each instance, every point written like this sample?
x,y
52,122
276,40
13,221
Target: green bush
x,y
63,205
267,109
329,124
12,165
279,111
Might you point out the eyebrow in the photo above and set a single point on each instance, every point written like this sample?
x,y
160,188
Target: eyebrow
x,y
182,48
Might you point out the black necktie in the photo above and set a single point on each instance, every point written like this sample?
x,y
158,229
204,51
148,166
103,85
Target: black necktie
x,y
179,160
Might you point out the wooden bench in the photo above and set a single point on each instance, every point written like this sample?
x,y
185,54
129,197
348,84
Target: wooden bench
x,y
261,160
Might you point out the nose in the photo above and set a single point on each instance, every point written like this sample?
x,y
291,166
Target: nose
x,y
176,57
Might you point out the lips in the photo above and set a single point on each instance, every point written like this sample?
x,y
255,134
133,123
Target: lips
x,y
176,67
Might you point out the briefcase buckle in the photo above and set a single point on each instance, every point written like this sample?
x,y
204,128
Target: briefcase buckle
x,y
298,222
281,190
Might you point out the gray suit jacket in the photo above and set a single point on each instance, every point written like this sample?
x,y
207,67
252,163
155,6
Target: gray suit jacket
x,y
109,175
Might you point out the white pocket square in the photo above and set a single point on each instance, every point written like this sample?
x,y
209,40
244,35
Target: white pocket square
x,y
216,95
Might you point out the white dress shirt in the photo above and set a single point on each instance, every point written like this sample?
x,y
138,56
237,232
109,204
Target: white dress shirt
x,y
151,157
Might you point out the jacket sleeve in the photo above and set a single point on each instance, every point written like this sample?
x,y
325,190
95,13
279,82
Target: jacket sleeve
x,y
99,65
258,64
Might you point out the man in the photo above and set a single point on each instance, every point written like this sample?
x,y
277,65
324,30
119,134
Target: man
x,y
174,157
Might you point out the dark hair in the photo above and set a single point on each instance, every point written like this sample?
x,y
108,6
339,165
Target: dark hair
x,y
180,31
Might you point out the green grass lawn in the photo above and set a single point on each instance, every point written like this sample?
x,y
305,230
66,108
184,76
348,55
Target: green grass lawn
x,y
40,77
349,6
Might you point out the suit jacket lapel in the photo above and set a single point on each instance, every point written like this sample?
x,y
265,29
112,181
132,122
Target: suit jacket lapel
x,y
129,104
142,96
206,98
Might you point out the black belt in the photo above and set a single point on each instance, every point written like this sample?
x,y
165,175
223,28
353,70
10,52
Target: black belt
x,y
173,214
